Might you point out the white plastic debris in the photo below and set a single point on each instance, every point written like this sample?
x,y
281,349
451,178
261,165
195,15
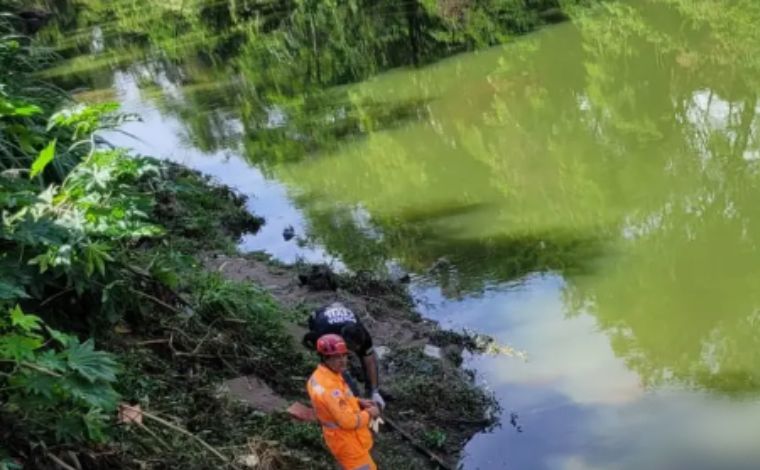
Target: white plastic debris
x,y
248,461
433,351
381,351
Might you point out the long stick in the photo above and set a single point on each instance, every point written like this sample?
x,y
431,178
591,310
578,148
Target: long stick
x,y
60,462
156,300
186,433
435,458
29,365
153,434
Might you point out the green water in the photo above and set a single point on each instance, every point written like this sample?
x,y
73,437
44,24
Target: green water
x,y
618,152
587,194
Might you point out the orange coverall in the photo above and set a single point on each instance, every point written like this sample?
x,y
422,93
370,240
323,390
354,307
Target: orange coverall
x,y
345,426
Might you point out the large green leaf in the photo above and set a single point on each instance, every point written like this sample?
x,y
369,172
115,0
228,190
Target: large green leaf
x,y
26,110
95,395
41,231
62,338
38,383
17,108
10,290
23,321
52,360
90,364
19,347
43,159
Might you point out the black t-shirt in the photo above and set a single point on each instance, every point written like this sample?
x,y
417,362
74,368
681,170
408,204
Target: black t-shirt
x,y
332,318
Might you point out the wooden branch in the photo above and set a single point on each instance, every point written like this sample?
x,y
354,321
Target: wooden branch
x,y
181,430
60,462
152,341
154,435
146,275
156,300
29,365
75,459
55,296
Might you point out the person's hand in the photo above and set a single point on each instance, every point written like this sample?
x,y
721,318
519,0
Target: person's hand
x,y
378,399
364,403
373,411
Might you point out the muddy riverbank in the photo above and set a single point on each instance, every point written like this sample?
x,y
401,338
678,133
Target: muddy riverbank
x,y
430,396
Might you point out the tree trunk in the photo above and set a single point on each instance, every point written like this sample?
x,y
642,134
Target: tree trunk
x,y
413,24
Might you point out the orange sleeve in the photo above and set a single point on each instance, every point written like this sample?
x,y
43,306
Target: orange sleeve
x,y
337,404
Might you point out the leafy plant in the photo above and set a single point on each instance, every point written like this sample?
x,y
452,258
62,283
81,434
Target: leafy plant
x,y
53,382
73,234
64,233
434,438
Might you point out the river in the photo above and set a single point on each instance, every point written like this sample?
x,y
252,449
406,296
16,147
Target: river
x,y
585,194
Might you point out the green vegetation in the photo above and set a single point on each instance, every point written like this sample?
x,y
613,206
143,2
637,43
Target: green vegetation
x,y
434,439
68,218
96,243
436,397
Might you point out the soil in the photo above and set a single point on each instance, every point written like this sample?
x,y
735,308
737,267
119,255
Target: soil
x,y
256,393
389,321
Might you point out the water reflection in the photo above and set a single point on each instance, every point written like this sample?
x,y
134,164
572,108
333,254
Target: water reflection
x,y
579,405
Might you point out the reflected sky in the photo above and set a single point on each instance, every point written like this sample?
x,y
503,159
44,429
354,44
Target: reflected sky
x,y
577,404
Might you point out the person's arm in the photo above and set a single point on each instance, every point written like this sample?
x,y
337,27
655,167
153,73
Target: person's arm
x,y
337,405
369,362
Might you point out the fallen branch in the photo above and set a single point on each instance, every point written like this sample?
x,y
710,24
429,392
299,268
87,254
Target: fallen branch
x,y
181,430
55,296
60,462
29,365
467,422
417,445
75,459
148,277
154,435
205,337
156,300
152,341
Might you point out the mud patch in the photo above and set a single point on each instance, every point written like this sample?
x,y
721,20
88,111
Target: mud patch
x,y
255,393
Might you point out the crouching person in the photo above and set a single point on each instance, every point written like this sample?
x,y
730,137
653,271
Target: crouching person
x,y
344,418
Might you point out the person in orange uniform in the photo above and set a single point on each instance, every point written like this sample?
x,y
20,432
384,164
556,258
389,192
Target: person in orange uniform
x,y
344,418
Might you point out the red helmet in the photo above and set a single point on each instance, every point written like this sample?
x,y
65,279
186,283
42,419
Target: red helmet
x,y
331,345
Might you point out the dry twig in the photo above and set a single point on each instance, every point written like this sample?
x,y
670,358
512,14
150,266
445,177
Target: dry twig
x,y
60,462
181,430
